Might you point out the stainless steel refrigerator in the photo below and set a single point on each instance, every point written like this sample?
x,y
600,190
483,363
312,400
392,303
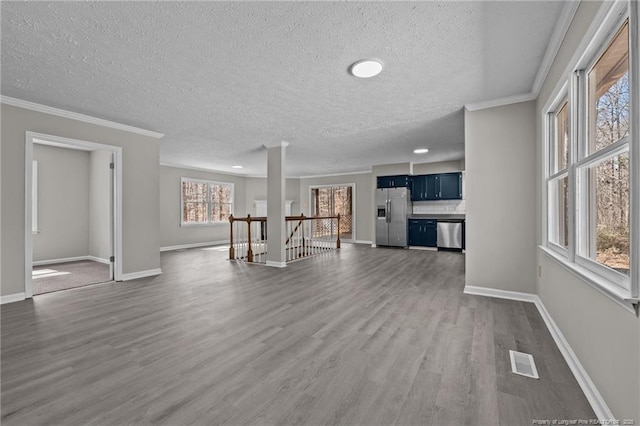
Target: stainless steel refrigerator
x,y
393,207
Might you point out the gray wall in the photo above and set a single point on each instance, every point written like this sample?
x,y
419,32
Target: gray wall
x,y
63,203
438,167
100,210
171,233
500,197
140,189
363,200
604,336
256,189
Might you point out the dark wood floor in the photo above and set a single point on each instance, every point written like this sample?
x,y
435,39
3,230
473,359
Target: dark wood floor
x,y
361,336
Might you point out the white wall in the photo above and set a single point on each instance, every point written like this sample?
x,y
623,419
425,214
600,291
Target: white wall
x,y
500,197
140,189
63,203
100,209
363,200
604,336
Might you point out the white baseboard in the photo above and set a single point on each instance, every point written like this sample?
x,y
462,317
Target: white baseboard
x,y
194,245
423,248
600,407
99,260
597,402
141,274
63,260
500,294
275,264
10,298
362,242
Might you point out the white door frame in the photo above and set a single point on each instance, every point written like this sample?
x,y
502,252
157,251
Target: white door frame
x,y
40,138
353,204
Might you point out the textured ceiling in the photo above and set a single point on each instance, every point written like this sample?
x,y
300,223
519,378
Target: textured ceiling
x,y
220,79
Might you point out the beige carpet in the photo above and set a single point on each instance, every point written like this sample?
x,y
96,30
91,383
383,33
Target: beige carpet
x,y
62,276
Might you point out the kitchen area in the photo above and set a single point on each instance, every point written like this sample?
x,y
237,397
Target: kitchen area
x,y
421,211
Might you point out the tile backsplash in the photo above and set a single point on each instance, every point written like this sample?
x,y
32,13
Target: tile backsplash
x,y
439,207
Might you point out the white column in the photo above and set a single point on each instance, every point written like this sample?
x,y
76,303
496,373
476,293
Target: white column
x,y
276,229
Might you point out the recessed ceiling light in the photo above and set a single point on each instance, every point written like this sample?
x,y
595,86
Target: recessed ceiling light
x,y
236,167
366,68
421,151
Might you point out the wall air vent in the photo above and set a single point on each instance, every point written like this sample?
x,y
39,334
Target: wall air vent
x,y
523,364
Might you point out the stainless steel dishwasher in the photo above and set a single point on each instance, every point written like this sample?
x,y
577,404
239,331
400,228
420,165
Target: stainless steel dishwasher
x,y
450,234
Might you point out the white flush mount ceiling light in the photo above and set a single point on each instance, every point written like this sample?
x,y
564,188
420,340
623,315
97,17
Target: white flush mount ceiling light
x,y
421,151
237,167
366,68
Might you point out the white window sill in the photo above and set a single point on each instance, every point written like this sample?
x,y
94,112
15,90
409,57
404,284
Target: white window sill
x,y
604,286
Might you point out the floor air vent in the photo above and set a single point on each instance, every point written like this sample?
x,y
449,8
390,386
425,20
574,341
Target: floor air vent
x,y
523,364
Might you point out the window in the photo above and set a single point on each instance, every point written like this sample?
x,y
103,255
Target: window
x,y
558,182
603,183
589,181
330,201
205,202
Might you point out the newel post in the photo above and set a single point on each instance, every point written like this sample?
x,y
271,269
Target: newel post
x,y
249,250
338,241
232,254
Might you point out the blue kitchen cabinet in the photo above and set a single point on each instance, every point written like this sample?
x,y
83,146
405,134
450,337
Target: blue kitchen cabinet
x,y
424,187
423,232
418,188
432,187
450,186
441,186
399,181
416,236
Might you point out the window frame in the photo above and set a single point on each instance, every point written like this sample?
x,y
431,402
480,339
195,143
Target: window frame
x,y
618,286
551,174
209,222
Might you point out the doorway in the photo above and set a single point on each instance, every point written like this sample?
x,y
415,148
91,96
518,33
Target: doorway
x,y
330,200
73,213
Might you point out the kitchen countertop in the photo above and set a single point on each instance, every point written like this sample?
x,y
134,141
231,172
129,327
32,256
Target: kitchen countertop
x,y
437,216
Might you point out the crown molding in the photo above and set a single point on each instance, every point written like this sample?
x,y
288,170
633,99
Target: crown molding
x,y
201,169
364,172
76,116
562,26
525,97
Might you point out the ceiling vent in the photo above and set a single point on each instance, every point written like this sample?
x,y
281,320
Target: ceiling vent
x,y
523,364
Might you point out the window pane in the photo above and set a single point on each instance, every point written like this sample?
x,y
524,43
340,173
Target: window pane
x,y
559,211
220,193
562,138
608,222
608,83
194,192
194,202
221,202
194,212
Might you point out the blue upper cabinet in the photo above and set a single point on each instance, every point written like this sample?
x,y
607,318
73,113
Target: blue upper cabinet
x,y
432,187
418,188
442,186
450,186
400,181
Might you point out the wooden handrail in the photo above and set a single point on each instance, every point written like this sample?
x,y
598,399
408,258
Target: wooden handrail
x,y
301,219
